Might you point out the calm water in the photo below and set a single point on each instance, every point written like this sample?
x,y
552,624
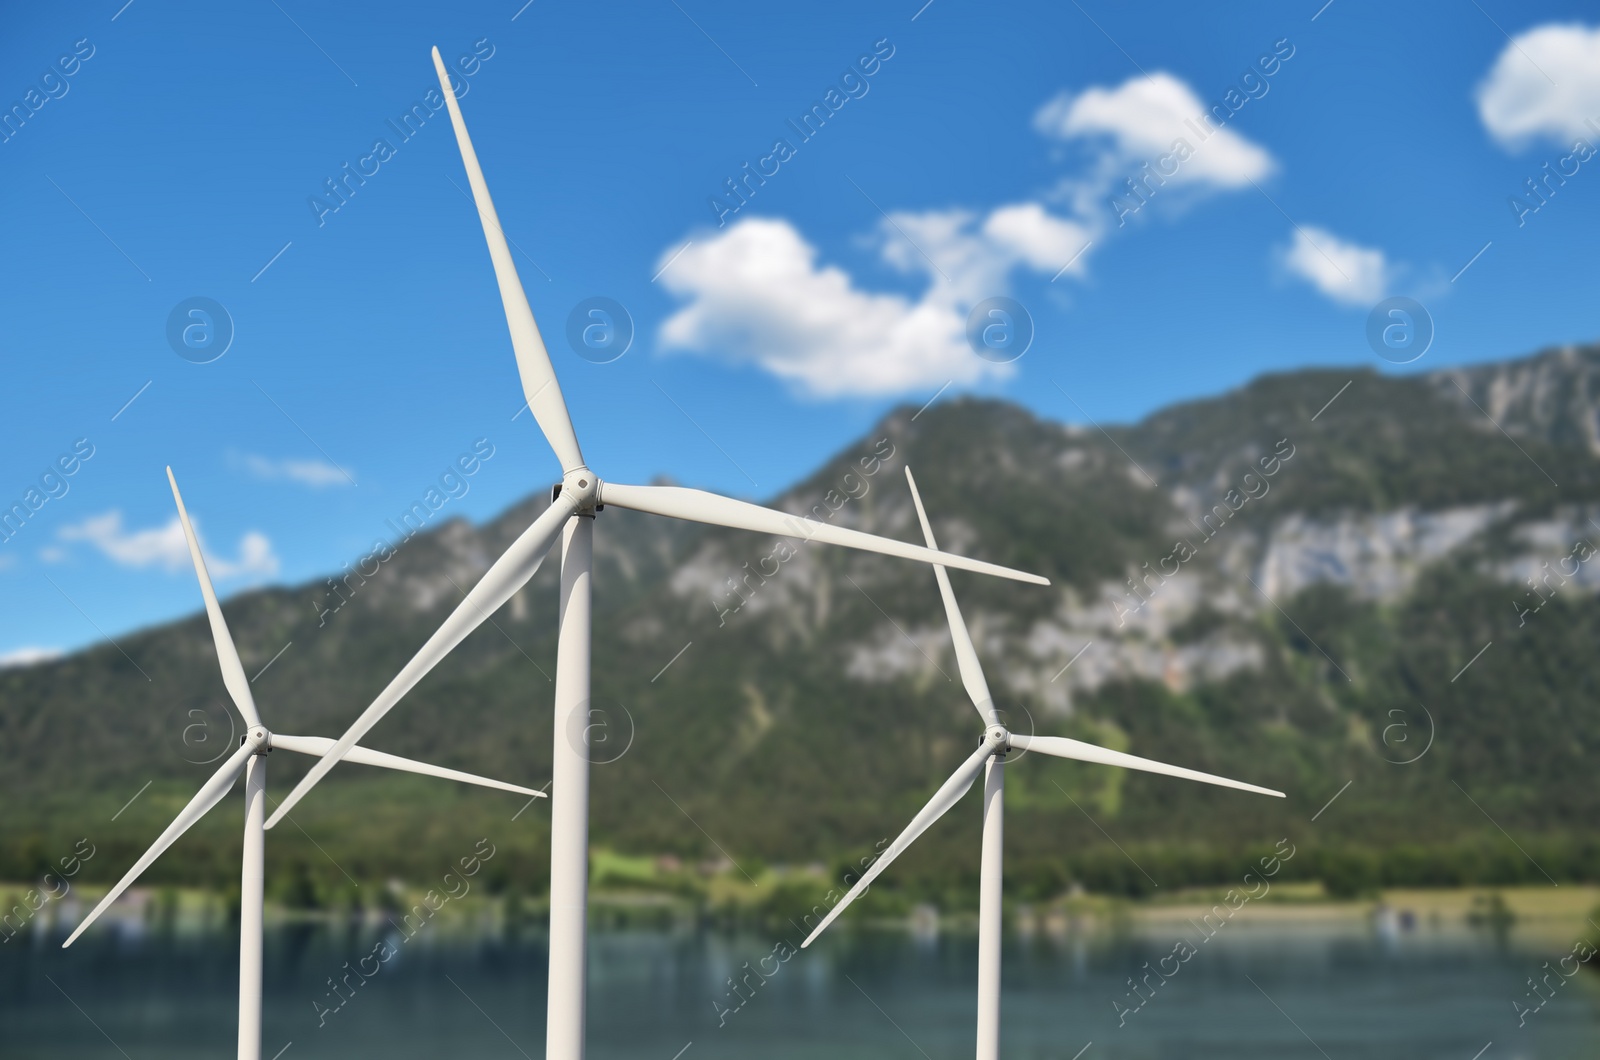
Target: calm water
x,y
1261,991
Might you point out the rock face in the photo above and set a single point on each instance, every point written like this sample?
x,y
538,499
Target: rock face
x,y
1554,396
1250,584
1376,553
1377,556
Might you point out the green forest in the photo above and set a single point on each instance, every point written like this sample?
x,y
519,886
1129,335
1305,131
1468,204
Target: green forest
x,y
1396,628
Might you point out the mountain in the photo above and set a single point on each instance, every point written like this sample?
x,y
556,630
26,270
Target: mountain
x,y
1373,592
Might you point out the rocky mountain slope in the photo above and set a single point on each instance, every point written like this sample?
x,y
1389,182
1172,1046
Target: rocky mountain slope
x,y
1319,582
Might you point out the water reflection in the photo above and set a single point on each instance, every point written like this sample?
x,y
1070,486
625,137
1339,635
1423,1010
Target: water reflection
x,y
1392,986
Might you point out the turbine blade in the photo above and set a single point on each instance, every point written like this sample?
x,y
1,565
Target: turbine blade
x,y
1079,751
539,383
677,502
317,746
210,793
508,574
966,654
948,795
233,675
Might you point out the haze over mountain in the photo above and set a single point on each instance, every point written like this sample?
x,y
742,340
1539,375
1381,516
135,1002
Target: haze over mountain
x,y
1319,582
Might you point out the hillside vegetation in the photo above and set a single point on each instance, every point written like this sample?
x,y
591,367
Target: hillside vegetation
x,y
1324,633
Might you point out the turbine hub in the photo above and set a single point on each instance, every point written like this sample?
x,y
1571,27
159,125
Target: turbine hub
x,y
583,486
258,738
997,737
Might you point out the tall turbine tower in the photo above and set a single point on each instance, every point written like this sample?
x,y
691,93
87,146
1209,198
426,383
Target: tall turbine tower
x,y
571,514
990,760
251,759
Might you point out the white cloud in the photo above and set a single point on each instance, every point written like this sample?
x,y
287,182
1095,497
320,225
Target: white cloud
x,y
255,558
141,548
1038,238
314,473
1545,85
166,547
28,655
961,265
755,292
1346,272
1143,118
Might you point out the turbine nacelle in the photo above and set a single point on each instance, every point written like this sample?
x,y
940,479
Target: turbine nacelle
x,y
581,487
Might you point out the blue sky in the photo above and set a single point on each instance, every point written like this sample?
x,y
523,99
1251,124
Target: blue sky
x,y
987,155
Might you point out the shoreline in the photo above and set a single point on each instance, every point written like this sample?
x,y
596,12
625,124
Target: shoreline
x,y
1534,915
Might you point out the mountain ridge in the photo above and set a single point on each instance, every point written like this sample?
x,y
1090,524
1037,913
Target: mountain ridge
x,y
1322,625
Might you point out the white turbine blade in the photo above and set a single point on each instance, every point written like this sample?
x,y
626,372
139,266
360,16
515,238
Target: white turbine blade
x,y
678,502
1079,751
317,746
233,675
508,574
539,383
210,793
966,654
948,795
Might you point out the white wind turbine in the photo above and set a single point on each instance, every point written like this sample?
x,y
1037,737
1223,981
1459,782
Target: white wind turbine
x,y
571,514
251,759
990,760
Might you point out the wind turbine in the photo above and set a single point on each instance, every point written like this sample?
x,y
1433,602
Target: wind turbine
x,y
571,514
251,759
990,760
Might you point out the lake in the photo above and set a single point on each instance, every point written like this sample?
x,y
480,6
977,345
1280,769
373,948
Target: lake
x,y
1280,988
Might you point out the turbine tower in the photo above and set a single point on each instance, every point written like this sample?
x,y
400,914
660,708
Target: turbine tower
x,y
571,515
251,759
990,760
